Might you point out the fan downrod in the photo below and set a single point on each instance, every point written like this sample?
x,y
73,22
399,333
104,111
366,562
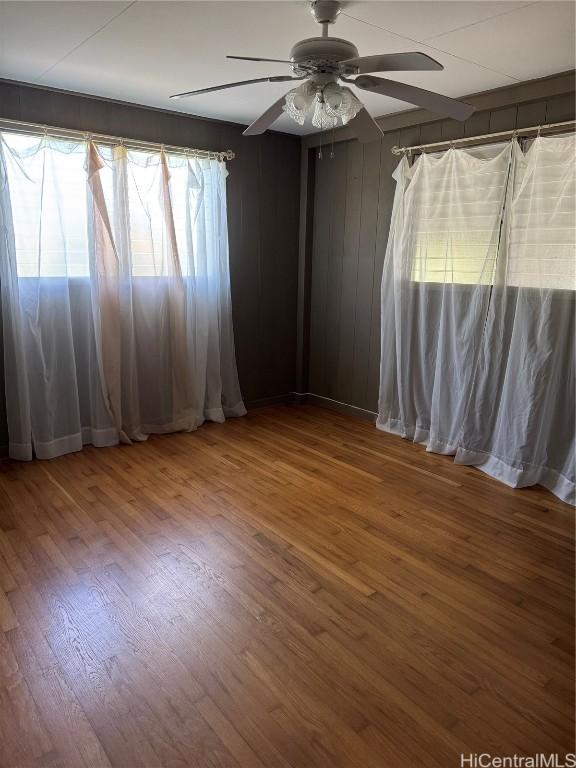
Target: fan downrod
x,y
325,12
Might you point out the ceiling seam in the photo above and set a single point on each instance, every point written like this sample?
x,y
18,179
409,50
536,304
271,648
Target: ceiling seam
x,y
434,48
481,21
80,44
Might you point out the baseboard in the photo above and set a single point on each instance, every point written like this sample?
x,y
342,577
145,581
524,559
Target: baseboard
x,y
285,399
310,398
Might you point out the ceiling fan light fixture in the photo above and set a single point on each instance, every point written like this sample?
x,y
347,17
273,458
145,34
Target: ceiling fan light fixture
x,y
321,119
335,104
341,103
299,100
332,104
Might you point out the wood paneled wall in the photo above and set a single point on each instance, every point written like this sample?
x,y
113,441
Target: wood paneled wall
x,y
352,201
307,236
263,211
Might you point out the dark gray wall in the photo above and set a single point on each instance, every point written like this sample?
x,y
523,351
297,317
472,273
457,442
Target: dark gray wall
x,y
305,282
263,211
352,201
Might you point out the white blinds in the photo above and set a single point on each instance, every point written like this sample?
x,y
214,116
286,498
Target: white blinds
x,y
454,203
542,239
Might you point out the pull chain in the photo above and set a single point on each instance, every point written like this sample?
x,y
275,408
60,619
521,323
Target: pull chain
x,y
321,129
331,142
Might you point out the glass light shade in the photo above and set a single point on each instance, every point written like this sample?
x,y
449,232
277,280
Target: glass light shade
x,y
341,103
321,119
299,100
332,105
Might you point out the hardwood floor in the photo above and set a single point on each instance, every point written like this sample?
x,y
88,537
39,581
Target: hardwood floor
x,y
290,589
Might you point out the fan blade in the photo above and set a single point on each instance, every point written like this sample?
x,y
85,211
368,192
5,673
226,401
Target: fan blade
x,y
365,128
435,102
275,79
266,118
393,62
255,58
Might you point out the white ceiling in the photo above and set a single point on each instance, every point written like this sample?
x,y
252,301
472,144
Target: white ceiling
x,y
143,51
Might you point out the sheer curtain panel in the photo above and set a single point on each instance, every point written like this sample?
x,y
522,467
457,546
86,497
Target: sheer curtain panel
x,y
519,426
115,294
478,305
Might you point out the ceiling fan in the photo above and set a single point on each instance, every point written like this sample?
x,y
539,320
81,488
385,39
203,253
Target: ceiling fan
x,y
324,62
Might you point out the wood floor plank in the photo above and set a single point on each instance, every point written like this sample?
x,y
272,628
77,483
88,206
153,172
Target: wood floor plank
x,y
288,590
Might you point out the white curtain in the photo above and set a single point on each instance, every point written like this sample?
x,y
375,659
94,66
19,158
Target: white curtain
x,y
115,294
478,304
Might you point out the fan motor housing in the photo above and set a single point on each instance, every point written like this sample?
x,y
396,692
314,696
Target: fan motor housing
x,y
321,54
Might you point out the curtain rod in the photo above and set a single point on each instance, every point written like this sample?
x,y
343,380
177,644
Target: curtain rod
x,y
38,129
485,138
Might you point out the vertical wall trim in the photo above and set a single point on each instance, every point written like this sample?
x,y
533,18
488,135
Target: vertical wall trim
x,y
306,231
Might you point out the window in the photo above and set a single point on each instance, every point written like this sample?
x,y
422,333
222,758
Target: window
x,y
542,241
49,193
47,184
455,201
456,215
